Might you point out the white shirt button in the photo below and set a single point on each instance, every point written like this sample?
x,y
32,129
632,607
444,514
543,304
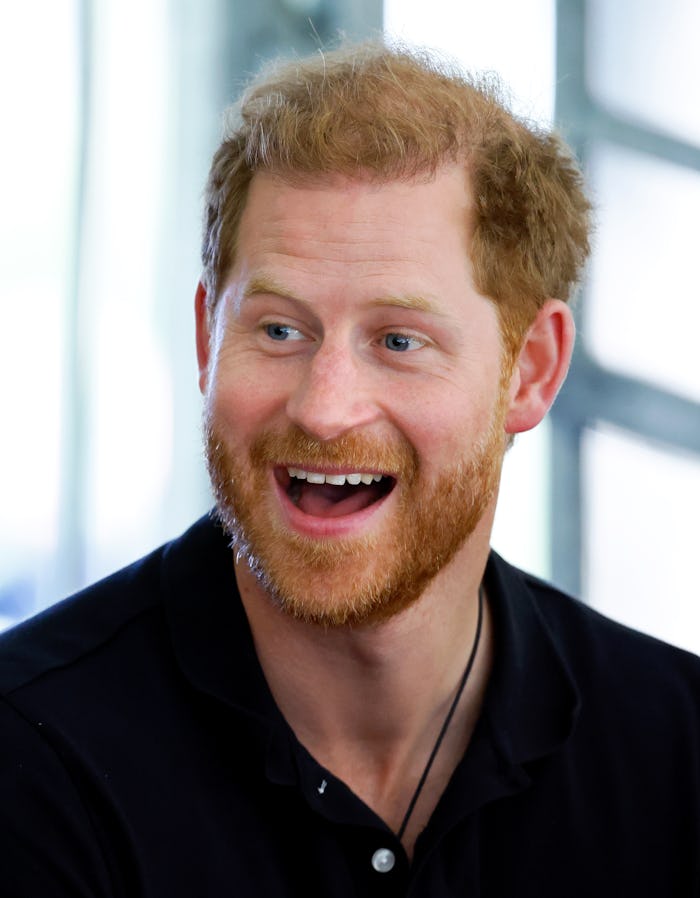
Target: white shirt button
x,y
383,860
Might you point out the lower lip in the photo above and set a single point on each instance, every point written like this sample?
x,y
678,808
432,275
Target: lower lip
x,y
327,528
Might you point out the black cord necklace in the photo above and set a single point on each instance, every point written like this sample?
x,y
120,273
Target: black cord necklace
x,y
448,719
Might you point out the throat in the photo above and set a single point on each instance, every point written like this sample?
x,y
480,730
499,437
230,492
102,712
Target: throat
x,y
326,500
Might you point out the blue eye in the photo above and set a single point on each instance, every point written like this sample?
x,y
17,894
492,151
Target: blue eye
x,y
401,342
282,332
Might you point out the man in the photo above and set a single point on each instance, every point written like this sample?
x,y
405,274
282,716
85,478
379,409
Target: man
x,y
332,687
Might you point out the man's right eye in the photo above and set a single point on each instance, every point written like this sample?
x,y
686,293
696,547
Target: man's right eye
x,y
282,332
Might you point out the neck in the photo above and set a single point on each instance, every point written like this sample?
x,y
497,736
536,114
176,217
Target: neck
x,y
369,702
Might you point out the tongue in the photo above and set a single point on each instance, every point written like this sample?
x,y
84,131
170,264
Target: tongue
x,y
327,501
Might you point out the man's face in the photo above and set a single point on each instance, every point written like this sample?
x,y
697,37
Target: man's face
x,y
350,344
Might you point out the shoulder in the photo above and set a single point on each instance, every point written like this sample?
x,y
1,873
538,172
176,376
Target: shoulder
x,y
60,673
85,624
620,666
77,625
594,640
602,723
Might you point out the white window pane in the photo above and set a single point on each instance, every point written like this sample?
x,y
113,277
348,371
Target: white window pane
x,y
643,61
642,535
129,406
38,91
521,527
643,306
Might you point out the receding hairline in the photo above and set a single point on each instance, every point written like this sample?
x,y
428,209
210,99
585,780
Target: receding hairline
x,y
398,112
266,282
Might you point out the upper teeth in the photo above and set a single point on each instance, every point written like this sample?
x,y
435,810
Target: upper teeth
x,y
335,479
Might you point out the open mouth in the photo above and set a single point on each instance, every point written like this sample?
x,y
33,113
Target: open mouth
x,y
333,494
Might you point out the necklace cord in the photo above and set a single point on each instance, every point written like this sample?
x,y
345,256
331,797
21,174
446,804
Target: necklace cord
x,y
448,719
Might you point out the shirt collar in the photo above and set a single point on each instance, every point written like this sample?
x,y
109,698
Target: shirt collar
x,y
208,625
531,702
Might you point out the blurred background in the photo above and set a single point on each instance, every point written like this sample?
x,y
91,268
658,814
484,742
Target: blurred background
x,y
111,110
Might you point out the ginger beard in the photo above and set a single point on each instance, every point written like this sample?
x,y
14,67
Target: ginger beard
x,y
351,581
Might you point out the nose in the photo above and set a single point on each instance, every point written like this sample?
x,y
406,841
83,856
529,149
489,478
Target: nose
x,y
334,394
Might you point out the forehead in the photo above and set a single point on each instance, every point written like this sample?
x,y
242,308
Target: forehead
x,y
352,218
354,239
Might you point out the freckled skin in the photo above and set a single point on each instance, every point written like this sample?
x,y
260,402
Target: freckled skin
x,y
339,269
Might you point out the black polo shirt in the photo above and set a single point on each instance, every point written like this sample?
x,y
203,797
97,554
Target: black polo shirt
x,y
141,754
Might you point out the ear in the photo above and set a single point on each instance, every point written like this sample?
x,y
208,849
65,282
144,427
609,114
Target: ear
x,y
541,366
202,322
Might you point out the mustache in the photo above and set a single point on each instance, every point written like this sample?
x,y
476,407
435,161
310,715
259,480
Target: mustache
x,y
352,451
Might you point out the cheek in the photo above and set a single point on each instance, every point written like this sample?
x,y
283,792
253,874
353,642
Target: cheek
x,y
243,401
448,426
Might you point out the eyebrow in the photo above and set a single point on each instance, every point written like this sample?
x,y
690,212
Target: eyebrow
x,y
409,301
263,284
